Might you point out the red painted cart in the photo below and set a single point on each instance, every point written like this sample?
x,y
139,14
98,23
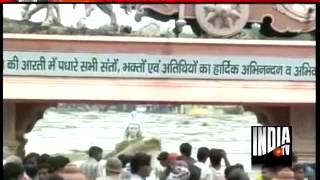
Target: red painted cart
x,y
223,20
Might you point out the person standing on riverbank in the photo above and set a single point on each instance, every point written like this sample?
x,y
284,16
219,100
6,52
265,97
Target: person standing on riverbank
x,y
30,163
236,172
13,171
140,166
164,160
202,156
16,160
91,167
57,164
125,160
185,150
113,170
216,155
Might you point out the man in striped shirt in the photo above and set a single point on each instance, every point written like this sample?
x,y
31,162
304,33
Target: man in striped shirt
x,y
91,167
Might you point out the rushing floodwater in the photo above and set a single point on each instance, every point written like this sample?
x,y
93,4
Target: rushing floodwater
x,y
67,132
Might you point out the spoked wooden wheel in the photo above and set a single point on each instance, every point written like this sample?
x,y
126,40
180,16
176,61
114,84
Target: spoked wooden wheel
x,y
222,20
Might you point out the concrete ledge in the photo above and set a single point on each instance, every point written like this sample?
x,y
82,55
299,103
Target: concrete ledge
x,y
197,91
157,40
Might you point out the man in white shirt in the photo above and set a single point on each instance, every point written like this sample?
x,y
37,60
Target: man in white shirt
x,y
216,155
91,167
140,166
202,156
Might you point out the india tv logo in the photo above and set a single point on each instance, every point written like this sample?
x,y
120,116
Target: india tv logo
x,y
271,145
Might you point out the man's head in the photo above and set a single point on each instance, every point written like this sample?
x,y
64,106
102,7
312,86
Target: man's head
x,y
203,154
215,156
163,159
62,161
32,159
43,158
284,173
57,164
298,170
30,163
95,152
13,171
140,164
185,149
267,172
43,171
124,158
235,172
113,167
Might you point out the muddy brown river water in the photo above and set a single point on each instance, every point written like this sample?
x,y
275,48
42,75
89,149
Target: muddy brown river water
x,y
72,133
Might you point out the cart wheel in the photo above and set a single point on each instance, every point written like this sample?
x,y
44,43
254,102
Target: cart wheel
x,y
300,12
138,17
222,20
197,29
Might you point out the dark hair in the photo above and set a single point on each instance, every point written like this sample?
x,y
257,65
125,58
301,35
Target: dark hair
x,y
163,156
12,171
62,161
31,169
139,160
298,167
239,165
31,156
185,149
124,159
230,169
55,177
58,162
43,158
235,172
203,154
215,157
94,150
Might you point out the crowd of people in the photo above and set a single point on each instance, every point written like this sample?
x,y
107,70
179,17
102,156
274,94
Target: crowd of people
x,y
208,166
